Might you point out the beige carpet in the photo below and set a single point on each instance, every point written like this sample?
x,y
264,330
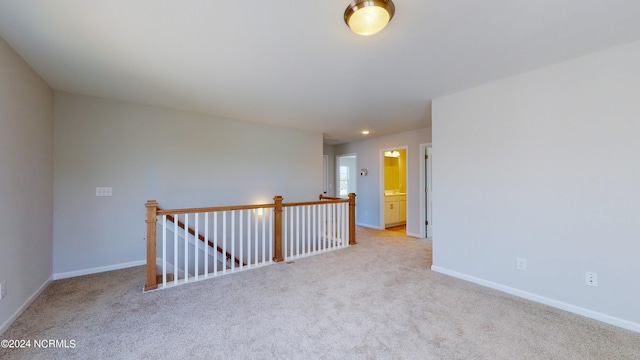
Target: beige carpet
x,y
375,300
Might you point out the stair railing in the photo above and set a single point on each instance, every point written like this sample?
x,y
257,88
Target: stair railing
x,y
233,238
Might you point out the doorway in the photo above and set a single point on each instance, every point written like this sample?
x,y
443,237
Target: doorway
x,y
346,166
393,183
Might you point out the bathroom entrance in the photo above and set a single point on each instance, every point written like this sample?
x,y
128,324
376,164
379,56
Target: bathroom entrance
x,y
394,188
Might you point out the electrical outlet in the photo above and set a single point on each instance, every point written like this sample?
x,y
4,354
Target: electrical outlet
x,y
104,191
3,290
521,264
591,278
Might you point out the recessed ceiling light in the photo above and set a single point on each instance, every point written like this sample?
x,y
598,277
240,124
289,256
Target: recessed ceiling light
x,y
365,132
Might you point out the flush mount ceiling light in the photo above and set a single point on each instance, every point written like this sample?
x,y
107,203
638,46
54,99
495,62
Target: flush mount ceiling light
x,y
393,153
367,17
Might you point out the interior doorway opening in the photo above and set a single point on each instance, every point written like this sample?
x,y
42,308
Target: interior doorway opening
x,y
346,166
394,176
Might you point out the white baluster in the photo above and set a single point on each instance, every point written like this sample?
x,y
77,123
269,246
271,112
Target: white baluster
x,y
175,249
241,239
297,230
319,232
325,226
264,236
270,239
224,241
206,244
164,250
309,229
345,225
255,236
338,225
341,217
186,247
285,238
341,223
303,238
196,247
329,224
314,228
233,240
215,243
333,225
292,250
249,236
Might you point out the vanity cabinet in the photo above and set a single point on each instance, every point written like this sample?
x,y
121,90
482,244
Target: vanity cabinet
x,y
395,210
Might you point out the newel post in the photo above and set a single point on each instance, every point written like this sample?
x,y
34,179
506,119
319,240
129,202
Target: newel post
x,y
277,229
352,219
152,209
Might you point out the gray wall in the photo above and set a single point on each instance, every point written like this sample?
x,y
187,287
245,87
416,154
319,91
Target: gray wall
x,y
176,158
369,191
26,183
545,166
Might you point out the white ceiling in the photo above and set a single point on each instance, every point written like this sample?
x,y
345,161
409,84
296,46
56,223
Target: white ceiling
x,y
295,63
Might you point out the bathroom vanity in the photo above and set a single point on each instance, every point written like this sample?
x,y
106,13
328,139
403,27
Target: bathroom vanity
x,y
395,209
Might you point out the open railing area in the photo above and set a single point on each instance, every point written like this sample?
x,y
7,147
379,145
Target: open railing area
x,y
186,245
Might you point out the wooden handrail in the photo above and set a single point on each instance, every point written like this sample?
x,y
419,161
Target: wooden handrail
x,y
337,201
201,238
323,197
213,209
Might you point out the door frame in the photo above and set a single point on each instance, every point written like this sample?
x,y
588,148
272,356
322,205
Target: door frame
x,y
337,169
423,193
381,190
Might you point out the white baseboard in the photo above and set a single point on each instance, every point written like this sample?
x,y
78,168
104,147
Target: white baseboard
x,y
370,226
415,235
625,324
99,269
24,306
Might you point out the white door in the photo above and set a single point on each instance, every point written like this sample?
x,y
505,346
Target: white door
x,y
325,175
428,191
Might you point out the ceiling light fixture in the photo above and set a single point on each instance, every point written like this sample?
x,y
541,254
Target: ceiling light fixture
x,y
365,132
393,153
367,17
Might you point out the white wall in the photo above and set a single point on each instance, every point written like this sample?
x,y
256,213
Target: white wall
x,y
545,166
176,158
26,183
369,190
